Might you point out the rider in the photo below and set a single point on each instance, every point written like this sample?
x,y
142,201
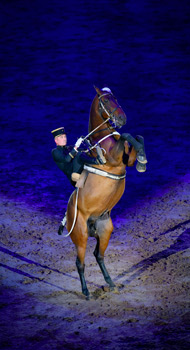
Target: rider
x,y
68,158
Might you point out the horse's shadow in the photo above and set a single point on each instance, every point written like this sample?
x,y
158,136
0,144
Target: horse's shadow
x,y
36,278
182,243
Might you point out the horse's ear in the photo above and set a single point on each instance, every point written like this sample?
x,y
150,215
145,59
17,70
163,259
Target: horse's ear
x,y
99,92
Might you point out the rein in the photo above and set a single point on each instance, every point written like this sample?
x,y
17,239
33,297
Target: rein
x,y
75,215
103,138
90,133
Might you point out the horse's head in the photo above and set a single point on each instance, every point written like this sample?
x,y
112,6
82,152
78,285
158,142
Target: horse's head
x,y
109,108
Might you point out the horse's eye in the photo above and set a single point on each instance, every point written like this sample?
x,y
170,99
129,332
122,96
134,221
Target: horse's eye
x,y
105,100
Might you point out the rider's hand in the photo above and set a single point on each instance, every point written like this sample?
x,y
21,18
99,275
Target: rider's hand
x,y
78,143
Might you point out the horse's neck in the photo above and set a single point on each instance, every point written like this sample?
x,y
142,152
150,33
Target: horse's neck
x,y
111,145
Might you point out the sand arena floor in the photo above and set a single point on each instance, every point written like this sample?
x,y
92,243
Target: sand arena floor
x,y
148,259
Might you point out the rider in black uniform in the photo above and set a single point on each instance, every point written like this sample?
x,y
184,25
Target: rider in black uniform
x,y
68,158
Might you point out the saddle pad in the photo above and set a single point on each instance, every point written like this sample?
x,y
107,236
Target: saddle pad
x,y
80,183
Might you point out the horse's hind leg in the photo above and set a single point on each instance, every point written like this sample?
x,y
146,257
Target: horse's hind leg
x,y
104,230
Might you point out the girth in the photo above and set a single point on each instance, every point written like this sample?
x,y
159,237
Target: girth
x,y
104,173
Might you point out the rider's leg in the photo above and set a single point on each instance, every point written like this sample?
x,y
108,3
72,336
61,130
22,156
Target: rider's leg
x,y
78,164
85,159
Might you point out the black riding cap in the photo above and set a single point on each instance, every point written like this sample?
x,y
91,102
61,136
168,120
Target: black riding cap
x,y
59,131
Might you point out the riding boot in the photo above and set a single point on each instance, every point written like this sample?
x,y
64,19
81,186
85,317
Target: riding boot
x,y
62,225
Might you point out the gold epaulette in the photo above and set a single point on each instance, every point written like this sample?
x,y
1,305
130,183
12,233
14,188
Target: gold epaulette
x,y
71,155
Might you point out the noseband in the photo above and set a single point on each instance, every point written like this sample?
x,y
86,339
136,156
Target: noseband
x,y
110,114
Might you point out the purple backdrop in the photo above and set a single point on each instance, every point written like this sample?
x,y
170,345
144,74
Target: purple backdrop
x,y
52,52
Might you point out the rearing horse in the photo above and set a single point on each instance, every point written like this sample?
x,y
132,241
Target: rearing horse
x,y
101,193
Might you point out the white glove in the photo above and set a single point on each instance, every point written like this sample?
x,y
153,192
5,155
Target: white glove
x,y
79,141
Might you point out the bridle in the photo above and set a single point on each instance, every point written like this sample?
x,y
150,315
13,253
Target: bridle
x,y
110,114
111,118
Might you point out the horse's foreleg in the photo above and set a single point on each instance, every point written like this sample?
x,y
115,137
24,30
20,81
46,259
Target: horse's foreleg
x,y
132,157
79,237
141,166
81,249
138,144
104,230
80,268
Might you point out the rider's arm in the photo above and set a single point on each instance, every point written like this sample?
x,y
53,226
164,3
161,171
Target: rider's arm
x,y
69,157
60,157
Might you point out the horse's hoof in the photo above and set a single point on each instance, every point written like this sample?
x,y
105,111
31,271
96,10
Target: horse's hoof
x,y
114,290
141,168
60,230
141,158
112,287
86,294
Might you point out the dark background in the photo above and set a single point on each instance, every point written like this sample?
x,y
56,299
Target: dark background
x,y
53,52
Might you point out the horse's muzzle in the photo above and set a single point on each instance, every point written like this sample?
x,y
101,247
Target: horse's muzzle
x,y
121,120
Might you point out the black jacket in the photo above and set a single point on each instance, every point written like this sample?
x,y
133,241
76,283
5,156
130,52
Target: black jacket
x,y
69,160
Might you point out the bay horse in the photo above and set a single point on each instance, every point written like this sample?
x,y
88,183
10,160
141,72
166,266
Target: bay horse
x,y
101,193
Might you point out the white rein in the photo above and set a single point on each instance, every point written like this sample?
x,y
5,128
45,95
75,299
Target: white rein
x,y
75,215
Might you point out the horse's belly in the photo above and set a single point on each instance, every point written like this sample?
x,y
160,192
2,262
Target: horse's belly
x,y
100,194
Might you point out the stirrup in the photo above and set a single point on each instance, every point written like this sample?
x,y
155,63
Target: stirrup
x,y
100,156
75,177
